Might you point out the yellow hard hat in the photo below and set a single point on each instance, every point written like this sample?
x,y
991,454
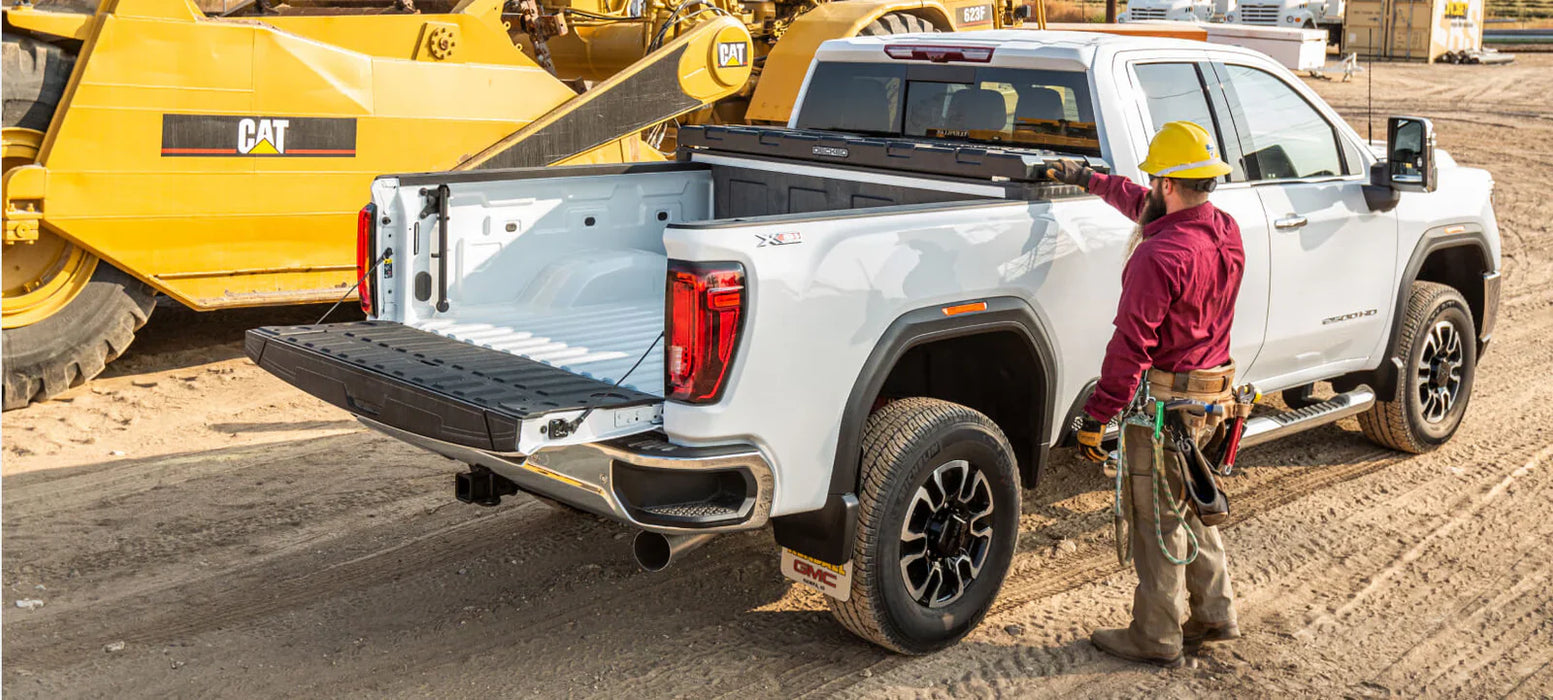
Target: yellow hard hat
x,y
1184,150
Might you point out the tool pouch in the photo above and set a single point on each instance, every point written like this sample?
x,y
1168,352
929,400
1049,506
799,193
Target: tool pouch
x,y
1202,488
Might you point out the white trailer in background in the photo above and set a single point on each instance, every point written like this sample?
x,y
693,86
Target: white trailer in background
x,y
1326,15
1296,49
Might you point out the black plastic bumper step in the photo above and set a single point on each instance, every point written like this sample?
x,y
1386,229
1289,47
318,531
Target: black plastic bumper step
x,y
425,383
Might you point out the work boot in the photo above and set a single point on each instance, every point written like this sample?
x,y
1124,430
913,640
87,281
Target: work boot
x,y
1121,643
1195,633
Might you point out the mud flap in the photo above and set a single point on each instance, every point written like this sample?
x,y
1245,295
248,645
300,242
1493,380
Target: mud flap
x,y
834,580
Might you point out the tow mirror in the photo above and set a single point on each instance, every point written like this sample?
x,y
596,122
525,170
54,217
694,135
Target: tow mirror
x,y
1410,165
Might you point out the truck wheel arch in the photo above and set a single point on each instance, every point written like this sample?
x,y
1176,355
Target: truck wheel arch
x,y
1008,325
1460,260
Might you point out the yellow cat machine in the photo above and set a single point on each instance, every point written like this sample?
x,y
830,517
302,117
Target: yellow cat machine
x,y
221,161
218,159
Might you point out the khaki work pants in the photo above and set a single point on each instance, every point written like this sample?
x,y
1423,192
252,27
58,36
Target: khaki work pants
x,y
1157,605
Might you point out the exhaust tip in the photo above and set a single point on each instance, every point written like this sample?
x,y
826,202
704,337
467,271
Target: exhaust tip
x,y
652,551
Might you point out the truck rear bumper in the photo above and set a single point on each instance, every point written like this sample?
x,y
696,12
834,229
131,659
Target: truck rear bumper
x,y
640,480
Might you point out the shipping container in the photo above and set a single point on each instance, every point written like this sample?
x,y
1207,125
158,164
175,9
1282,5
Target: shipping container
x,y
1416,30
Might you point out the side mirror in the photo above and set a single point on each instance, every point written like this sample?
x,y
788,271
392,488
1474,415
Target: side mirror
x,y
1022,12
1410,164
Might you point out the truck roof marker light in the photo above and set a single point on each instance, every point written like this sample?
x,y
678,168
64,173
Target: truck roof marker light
x,y
939,53
970,308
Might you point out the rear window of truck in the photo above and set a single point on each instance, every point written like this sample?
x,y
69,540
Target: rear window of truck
x,y
1012,106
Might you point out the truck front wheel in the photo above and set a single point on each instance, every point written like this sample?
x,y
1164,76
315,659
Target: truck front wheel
x,y
1438,347
938,520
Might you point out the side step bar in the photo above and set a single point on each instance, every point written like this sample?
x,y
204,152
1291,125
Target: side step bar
x,y
1262,429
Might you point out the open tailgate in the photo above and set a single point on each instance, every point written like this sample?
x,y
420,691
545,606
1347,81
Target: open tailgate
x,y
447,389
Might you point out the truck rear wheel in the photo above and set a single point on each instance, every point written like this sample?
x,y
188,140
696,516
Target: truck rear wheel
x,y
937,525
1438,347
897,23
66,314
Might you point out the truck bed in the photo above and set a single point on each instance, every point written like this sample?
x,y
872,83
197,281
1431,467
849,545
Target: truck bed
x,y
429,384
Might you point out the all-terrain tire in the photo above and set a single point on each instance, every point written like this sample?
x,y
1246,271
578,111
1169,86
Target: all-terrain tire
x,y
72,346
1399,421
35,76
904,442
897,23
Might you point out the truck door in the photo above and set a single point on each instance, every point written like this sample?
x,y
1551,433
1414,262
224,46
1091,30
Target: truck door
x,y
1332,258
1179,91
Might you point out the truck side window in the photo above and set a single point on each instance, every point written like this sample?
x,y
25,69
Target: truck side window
x,y
1283,136
1174,92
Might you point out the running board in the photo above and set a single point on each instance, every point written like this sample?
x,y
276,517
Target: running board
x,y
1268,428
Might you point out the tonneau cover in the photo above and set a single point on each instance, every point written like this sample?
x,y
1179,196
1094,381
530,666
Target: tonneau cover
x,y
428,384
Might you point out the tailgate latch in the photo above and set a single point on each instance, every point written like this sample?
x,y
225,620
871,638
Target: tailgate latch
x,y
558,429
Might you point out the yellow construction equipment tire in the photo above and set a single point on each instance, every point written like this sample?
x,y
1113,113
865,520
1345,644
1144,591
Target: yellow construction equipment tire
x,y
72,345
897,23
35,77
66,314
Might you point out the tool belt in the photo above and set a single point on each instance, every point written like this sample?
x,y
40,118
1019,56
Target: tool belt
x,y
1196,419
1210,386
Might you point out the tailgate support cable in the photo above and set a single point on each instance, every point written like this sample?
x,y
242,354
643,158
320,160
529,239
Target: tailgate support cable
x,y
438,202
387,253
569,427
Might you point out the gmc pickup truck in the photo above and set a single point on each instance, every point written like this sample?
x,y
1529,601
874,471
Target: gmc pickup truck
x,y
869,328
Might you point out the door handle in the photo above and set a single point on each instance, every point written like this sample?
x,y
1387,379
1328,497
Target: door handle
x,y
1291,222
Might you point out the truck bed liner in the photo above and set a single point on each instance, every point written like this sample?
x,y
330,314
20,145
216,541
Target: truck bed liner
x,y
601,341
426,383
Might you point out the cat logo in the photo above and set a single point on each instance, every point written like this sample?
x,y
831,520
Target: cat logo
x,y
262,137
216,136
733,54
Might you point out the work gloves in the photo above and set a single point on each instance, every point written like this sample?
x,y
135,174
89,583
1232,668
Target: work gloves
x,y
1090,433
1071,173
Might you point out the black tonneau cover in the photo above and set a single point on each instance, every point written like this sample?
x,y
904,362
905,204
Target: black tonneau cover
x,y
425,383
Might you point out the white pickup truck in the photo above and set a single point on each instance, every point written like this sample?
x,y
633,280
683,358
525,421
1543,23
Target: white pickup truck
x,y
868,329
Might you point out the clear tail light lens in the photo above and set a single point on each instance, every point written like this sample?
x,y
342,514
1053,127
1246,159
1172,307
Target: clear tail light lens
x,y
705,316
366,244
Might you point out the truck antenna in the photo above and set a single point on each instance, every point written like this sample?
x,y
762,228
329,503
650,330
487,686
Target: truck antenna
x,y
1369,88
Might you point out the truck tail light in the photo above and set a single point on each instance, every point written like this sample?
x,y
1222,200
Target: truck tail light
x,y
366,246
939,54
705,316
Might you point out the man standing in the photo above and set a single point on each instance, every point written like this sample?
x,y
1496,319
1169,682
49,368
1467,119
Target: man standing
x,y
1178,300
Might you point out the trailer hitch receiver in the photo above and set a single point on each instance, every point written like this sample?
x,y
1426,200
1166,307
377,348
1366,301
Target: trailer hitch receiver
x,y
482,486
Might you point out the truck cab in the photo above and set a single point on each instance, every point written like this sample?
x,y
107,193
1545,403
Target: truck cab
x,y
1176,10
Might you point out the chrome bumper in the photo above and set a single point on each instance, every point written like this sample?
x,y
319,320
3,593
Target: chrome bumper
x,y
583,476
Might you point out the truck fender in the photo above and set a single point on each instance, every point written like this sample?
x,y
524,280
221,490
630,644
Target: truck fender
x,y
788,63
1463,235
827,534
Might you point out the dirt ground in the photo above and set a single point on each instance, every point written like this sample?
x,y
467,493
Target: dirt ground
x,y
194,527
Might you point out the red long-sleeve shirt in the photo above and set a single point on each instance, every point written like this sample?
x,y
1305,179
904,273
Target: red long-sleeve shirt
x,y
1178,295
